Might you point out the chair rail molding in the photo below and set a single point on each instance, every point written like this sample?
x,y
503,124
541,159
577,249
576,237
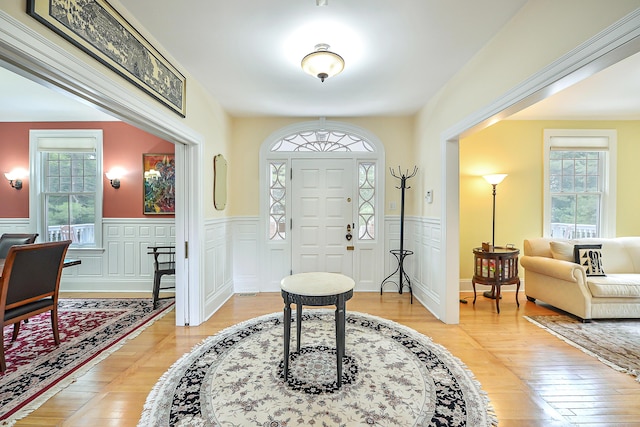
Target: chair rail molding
x,y
15,225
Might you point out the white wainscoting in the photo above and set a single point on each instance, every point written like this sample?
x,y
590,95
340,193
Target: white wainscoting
x,y
15,225
246,255
424,267
217,263
234,260
124,264
257,269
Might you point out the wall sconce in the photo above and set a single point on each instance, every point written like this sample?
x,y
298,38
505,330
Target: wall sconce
x,y
114,176
15,177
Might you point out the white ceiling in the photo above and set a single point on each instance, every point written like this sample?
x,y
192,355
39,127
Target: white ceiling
x,y
22,100
398,54
611,94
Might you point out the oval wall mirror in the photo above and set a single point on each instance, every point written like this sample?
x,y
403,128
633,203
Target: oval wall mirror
x,y
219,182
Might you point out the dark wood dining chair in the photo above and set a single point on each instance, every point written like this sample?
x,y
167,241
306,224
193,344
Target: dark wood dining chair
x,y
164,263
29,286
9,239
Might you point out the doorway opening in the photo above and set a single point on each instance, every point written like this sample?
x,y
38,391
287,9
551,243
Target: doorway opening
x,y
322,203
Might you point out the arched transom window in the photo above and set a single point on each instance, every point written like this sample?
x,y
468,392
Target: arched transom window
x,y
322,141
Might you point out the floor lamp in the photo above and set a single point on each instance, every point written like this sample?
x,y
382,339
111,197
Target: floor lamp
x,y
494,180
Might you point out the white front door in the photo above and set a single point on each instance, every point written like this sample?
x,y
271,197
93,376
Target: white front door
x,y
322,210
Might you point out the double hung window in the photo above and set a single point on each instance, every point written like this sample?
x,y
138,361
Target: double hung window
x,y
579,183
68,168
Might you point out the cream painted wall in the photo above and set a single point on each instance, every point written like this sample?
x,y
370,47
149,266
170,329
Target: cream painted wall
x,y
507,147
204,115
516,148
540,33
248,134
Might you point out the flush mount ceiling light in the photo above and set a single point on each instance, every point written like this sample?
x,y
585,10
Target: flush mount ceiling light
x,y
322,63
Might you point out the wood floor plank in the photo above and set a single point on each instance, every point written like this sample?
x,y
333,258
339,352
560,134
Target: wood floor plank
x,y
532,378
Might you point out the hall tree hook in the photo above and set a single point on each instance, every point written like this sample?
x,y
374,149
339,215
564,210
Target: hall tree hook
x,y
401,254
403,176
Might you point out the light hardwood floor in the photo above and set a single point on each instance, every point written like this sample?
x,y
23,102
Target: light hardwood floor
x,y
531,377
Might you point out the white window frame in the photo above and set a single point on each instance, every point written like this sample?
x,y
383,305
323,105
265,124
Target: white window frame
x,y
37,209
583,140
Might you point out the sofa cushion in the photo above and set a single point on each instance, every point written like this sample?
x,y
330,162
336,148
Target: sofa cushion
x,y
537,246
615,286
615,256
632,247
590,257
562,250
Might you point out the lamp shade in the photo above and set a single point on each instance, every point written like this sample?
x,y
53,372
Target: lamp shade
x,y
322,63
115,173
495,179
17,173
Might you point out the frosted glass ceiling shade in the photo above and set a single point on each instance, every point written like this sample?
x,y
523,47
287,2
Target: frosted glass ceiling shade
x,y
322,63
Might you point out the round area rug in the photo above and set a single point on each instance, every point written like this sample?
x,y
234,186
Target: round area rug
x,y
392,376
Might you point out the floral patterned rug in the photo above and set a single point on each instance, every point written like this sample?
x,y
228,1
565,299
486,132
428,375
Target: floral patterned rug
x,y
615,342
90,330
392,376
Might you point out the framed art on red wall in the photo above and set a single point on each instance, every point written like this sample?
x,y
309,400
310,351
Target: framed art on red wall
x,y
159,183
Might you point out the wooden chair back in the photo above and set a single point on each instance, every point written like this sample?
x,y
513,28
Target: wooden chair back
x,y
30,285
164,259
32,272
164,263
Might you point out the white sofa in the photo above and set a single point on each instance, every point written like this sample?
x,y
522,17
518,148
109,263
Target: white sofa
x,y
554,279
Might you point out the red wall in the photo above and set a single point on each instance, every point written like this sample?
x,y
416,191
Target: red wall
x,y
123,146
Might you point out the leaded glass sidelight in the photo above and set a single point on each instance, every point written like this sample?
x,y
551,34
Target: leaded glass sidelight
x,y
277,193
366,200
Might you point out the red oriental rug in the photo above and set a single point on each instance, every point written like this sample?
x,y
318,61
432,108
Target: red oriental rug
x,y
90,330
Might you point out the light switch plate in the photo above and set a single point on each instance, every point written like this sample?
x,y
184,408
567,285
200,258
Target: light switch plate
x,y
429,196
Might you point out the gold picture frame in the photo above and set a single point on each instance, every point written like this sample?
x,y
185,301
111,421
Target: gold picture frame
x,y
98,29
159,183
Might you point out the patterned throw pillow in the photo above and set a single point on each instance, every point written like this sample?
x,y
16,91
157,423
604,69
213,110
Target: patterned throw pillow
x,y
590,257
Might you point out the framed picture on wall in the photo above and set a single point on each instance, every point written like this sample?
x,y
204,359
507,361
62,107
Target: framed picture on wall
x,y
98,29
159,176
219,182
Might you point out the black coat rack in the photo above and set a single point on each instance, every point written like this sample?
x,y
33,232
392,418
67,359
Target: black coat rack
x,y
401,253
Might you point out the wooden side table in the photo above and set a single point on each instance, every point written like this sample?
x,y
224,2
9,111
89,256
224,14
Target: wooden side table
x,y
316,289
496,268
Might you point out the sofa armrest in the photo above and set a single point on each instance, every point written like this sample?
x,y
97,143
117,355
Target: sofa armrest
x,y
563,270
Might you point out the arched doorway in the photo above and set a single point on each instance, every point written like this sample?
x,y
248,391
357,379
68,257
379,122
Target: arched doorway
x,y
322,200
